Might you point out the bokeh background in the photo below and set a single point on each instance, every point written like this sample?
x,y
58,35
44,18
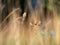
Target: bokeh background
x,y
29,22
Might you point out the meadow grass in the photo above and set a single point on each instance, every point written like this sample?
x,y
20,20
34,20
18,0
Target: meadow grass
x,y
19,32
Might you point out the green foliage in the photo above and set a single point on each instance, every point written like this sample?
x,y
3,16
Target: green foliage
x,y
50,6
